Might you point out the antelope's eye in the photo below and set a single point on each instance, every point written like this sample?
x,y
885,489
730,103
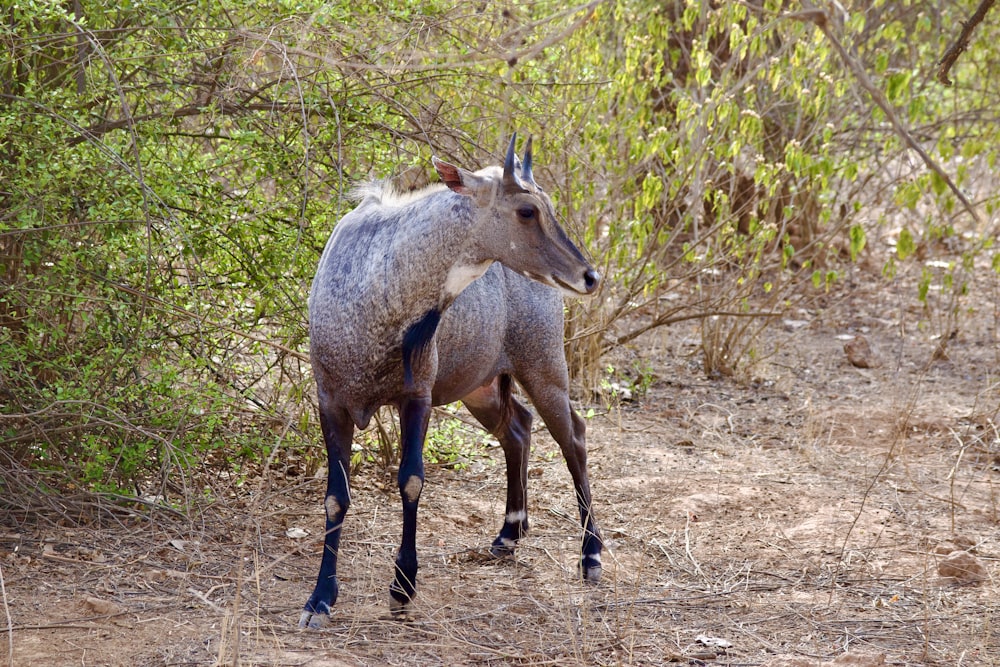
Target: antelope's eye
x,y
527,213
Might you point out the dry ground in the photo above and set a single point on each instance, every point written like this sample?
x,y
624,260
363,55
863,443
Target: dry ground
x,y
806,517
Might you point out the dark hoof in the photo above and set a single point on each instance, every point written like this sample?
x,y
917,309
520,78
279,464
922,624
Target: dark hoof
x,y
401,611
317,610
590,569
401,594
503,548
313,620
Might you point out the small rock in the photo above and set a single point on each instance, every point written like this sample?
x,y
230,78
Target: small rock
x,y
956,543
457,519
714,642
963,567
623,393
101,607
964,543
860,353
182,545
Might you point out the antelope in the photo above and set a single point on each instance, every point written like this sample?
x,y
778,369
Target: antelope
x,y
423,299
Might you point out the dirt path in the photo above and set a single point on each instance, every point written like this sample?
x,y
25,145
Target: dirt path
x,y
803,518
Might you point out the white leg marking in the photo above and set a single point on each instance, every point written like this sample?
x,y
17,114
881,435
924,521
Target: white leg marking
x,y
332,507
516,517
411,490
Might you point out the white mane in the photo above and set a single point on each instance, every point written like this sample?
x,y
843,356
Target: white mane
x,y
384,194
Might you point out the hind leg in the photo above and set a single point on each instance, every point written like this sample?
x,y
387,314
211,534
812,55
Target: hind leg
x,y
513,430
550,395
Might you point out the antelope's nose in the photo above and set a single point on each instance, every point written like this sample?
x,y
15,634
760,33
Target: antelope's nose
x,y
591,280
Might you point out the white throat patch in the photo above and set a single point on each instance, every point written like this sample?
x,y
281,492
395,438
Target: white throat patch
x,y
461,276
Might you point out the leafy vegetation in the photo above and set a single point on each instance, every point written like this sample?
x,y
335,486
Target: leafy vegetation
x,y
170,173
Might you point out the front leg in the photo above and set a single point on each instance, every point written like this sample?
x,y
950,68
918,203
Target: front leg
x,y
338,429
414,415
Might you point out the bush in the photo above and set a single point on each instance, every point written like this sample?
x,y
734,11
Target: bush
x,y
170,177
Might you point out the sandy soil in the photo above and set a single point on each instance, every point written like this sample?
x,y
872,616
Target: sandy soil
x,y
815,514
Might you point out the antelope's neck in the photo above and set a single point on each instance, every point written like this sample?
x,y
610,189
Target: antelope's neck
x,y
442,256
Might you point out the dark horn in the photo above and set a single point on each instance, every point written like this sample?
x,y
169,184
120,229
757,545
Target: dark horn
x,y
509,179
526,165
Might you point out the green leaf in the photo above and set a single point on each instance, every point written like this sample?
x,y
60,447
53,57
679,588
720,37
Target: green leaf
x,y
908,194
897,85
938,184
924,285
905,245
858,240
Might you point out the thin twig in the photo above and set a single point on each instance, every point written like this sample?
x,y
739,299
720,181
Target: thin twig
x,y
183,312
10,624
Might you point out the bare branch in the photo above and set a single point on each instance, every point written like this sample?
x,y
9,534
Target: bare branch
x,y
220,107
962,43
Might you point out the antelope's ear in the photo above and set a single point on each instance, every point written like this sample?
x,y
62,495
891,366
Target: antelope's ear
x,y
457,179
